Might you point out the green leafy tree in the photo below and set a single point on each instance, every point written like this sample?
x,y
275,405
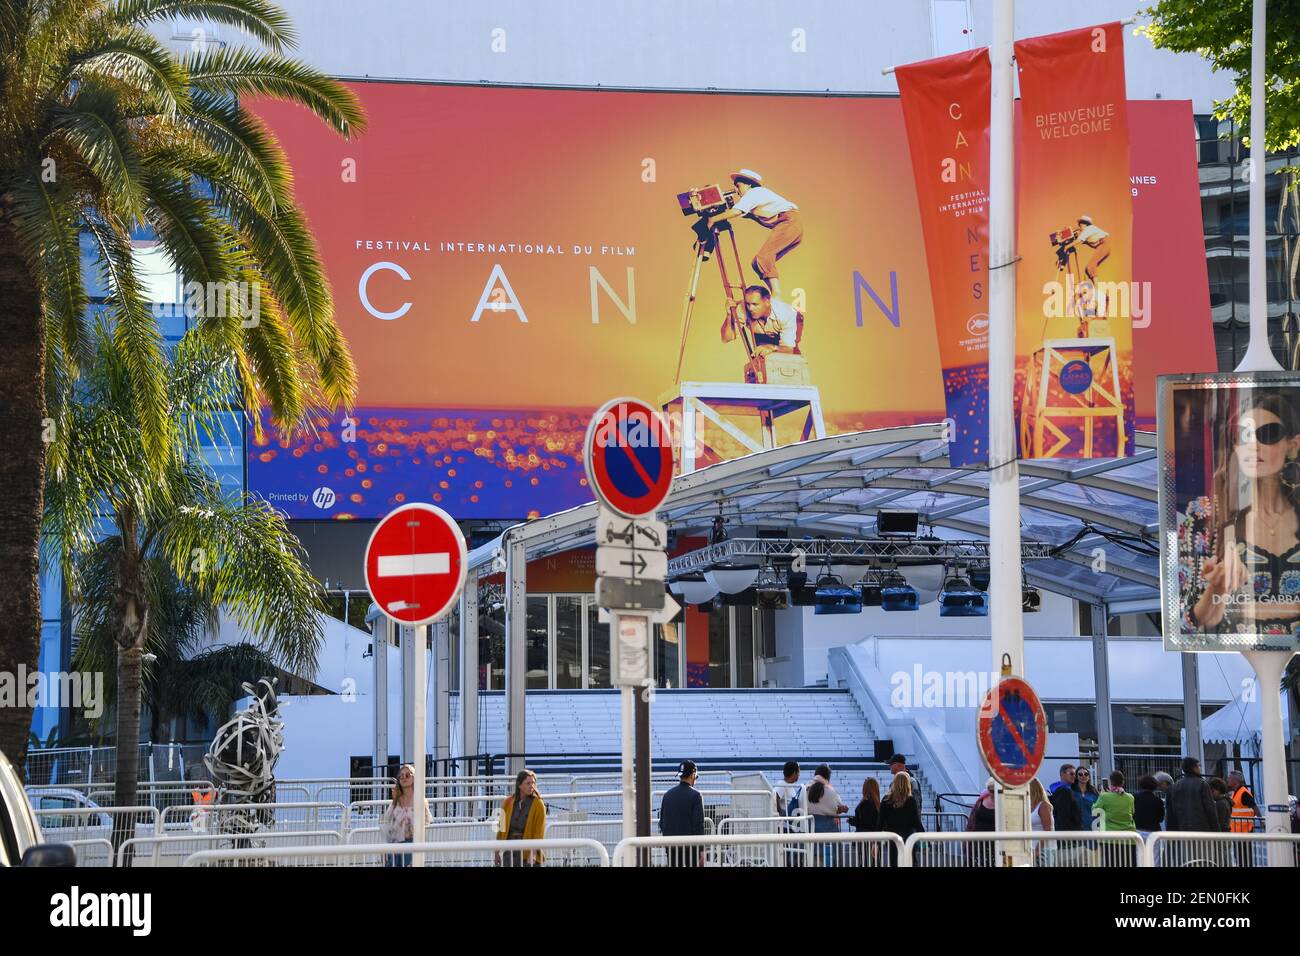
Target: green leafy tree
x,y
1220,32
104,131
179,548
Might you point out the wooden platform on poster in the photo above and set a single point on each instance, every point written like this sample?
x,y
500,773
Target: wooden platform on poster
x,y
1041,422
729,405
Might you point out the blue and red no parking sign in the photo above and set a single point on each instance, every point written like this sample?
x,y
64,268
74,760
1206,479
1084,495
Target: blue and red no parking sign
x,y
629,457
1012,731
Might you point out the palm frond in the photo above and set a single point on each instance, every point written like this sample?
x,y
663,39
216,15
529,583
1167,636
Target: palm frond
x,y
243,145
135,57
260,19
243,72
284,247
94,130
252,566
136,335
45,222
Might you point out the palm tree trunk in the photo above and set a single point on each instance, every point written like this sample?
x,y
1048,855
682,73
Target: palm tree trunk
x,y
22,479
128,738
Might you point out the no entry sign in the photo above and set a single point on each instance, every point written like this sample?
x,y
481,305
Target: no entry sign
x,y
415,564
1012,729
629,457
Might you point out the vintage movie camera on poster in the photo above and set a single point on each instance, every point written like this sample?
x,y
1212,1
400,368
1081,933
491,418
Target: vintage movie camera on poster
x,y
704,202
1064,241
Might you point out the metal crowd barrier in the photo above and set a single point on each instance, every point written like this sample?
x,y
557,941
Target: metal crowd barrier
x,y
944,821
1258,849
96,852
1053,850
459,853
77,824
172,850
274,817
761,849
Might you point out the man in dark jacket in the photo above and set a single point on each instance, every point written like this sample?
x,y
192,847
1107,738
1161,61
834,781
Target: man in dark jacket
x,y
1191,803
1066,814
681,813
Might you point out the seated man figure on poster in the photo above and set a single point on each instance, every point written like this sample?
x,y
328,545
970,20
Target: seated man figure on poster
x,y
773,325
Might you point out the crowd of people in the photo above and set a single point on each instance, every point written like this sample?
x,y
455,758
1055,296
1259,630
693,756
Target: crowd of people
x,y
1074,802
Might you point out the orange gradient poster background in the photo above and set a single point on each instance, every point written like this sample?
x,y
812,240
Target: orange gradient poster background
x,y
459,199
1074,339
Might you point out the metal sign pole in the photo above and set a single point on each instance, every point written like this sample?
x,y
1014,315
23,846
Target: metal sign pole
x,y
643,774
1268,665
419,745
1006,624
629,735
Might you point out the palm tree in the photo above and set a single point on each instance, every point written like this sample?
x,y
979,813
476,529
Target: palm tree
x,y
103,131
179,678
172,527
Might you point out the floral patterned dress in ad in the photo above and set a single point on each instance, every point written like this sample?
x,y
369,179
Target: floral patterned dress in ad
x,y
1270,577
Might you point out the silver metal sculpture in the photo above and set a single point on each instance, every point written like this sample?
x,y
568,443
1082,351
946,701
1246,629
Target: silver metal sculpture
x,y
241,761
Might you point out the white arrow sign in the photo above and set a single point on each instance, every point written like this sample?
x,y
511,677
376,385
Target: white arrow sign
x,y
629,563
614,529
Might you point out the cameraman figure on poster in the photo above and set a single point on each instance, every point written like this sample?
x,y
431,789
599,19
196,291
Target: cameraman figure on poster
x,y
771,211
1237,544
1096,239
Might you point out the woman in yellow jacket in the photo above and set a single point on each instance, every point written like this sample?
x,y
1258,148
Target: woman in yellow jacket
x,y
523,817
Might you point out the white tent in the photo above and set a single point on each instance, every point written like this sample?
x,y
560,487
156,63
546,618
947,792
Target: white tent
x,y
1239,722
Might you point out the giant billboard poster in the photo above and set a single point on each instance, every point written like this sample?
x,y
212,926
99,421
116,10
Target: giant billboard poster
x,y
505,260
1230,511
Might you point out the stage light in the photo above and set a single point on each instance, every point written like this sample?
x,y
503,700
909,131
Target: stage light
x,y
1030,599
927,579
694,589
896,594
870,588
732,579
960,598
833,596
979,578
772,595
850,574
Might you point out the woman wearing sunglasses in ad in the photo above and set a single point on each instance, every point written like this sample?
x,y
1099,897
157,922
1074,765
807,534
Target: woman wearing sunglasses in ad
x,y
1241,547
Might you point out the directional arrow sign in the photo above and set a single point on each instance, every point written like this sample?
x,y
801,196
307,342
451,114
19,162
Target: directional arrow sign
x,y
629,563
613,528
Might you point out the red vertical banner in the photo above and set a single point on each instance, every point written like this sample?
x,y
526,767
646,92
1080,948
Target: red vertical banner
x,y
946,111
1075,294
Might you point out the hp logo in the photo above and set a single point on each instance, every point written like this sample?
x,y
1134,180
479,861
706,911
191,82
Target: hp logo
x,y
323,498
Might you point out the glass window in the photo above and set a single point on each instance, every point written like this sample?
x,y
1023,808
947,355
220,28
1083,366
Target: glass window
x,y
568,640
491,641
597,649
720,647
538,634
744,647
